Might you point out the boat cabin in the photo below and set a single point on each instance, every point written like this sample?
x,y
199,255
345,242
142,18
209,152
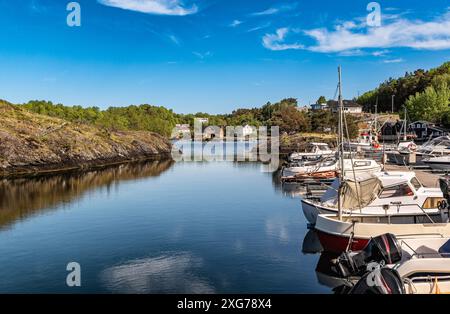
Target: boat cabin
x,y
403,188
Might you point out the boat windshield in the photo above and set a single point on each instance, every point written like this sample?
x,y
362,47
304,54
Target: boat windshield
x,y
396,191
443,141
416,183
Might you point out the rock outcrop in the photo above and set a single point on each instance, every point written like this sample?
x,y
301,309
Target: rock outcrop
x,y
33,143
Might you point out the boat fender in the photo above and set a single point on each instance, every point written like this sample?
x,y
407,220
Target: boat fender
x,y
412,147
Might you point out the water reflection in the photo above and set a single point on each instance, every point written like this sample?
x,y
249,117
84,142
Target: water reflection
x,y
311,243
20,198
167,273
328,276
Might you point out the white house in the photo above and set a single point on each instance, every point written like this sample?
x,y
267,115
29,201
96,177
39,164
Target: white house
x,y
202,120
248,130
349,106
181,130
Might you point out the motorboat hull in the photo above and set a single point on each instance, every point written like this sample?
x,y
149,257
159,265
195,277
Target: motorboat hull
x,y
311,211
354,232
438,165
340,243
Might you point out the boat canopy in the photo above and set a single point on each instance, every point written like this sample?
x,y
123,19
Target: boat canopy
x,y
364,186
359,193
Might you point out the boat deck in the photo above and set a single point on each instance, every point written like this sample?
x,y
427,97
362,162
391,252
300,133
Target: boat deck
x,y
427,178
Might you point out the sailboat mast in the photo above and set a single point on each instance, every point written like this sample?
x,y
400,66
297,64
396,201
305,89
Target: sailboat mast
x,y
405,128
340,142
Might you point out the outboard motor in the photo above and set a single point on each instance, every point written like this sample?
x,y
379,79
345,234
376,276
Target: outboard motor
x,y
380,281
381,249
444,184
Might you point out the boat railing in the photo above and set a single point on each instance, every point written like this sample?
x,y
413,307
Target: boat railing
x,y
386,207
425,254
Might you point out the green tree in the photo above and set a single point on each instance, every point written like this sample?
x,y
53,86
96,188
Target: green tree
x,y
321,100
431,105
290,120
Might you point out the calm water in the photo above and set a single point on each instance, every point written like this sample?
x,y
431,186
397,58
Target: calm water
x,y
156,227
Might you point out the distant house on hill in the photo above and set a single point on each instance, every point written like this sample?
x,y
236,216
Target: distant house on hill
x,y
202,120
349,106
303,108
322,106
181,130
213,132
426,130
392,131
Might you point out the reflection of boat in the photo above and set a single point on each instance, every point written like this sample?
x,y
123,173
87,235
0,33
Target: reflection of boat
x,y
328,276
383,193
293,189
314,151
311,243
329,167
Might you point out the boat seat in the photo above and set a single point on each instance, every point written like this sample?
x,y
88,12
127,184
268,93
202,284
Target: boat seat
x,y
426,252
445,249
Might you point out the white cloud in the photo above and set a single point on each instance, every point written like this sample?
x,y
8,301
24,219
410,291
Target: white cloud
x,y
202,55
174,39
235,23
431,35
276,9
393,60
269,11
380,53
257,28
352,53
277,41
161,7
167,273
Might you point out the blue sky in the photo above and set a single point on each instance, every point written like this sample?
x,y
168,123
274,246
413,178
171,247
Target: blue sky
x,y
211,55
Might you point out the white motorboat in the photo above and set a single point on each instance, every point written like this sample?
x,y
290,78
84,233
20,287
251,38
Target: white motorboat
x,y
331,165
425,267
390,264
437,147
365,142
314,151
441,163
350,231
400,153
382,193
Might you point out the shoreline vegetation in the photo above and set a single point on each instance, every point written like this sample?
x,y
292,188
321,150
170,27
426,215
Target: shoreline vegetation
x,y
35,144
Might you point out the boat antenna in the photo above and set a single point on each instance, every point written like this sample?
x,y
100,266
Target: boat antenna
x,y
404,124
340,143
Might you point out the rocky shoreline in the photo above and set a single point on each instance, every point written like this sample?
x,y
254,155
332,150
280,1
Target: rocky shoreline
x,y
33,144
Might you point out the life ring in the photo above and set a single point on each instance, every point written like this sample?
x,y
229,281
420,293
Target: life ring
x,y
412,147
375,145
